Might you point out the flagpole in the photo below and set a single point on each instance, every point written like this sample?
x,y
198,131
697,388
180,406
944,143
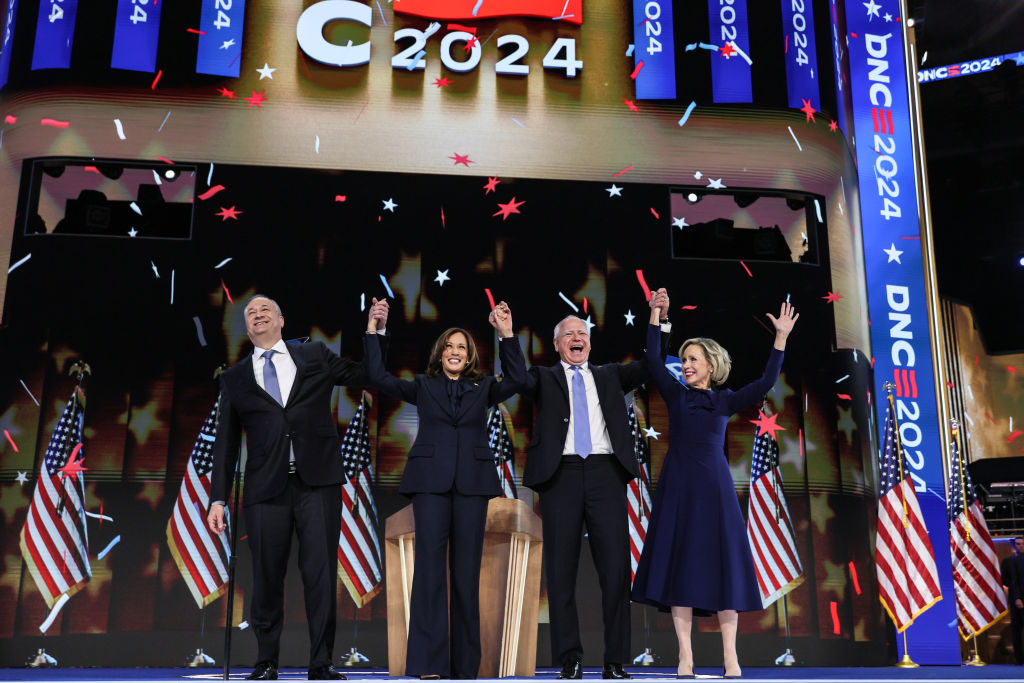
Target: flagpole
x,y
954,424
906,662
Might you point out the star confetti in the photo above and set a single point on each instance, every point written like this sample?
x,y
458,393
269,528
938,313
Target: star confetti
x,y
767,424
73,466
629,103
505,210
679,223
22,478
727,50
808,109
614,190
226,213
461,159
716,184
492,185
651,433
224,92
832,125
266,72
442,82
256,99
442,277
389,204
832,297
629,317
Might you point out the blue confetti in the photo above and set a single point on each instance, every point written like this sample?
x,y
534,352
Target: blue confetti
x,y
416,60
387,286
629,50
689,110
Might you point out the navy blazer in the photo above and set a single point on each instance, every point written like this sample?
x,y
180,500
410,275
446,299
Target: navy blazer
x,y
307,423
451,450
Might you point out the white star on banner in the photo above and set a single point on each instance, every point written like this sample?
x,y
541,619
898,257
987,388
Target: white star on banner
x,y
894,254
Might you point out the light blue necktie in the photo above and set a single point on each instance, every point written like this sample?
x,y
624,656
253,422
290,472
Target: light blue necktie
x,y
270,377
580,414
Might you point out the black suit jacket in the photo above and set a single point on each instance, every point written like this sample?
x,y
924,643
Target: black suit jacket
x,y
306,422
549,389
451,449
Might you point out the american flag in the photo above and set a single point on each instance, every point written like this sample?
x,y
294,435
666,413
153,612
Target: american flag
x,y
54,540
980,601
638,493
359,544
201,555
500,440
908,582
769,528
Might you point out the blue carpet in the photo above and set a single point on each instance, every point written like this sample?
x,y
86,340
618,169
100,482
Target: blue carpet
x,y
850,674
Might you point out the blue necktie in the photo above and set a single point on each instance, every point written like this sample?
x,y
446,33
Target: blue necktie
x,y
580,414
270,377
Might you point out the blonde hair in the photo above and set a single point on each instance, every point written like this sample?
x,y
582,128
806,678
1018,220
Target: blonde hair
x,y
716,356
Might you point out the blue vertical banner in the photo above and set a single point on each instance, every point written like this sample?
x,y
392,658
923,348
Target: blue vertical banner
x,y
730,65
654,48
840,64
8,20
896,289
55,34
136,35
220,43
801,54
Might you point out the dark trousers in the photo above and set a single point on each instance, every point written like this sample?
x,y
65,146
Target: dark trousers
x,y
449,549
591,490
314,514
1016,629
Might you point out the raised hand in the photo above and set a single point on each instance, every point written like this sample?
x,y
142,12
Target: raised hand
x,y
501,319
659,305
378,315
784,323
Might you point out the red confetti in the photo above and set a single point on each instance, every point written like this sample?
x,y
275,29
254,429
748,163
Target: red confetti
x,y
853,575
808,109
492,185
800,435
101,515
460,27
166,160
230,300
845,397
226,213
217,188
853,34
625,170
872,362
490,297
636,71
505,210
835,616
1008,439
949,384
746,269
224,92
689,307
631,104
10,119
767,424
93,169
156,80
442,82
727,50
442,217
786,50
990,418
337,197
655,213
461,159
13,445
1010,368
195,30
73,466
55,123
643,284
257,98
832,297
584,304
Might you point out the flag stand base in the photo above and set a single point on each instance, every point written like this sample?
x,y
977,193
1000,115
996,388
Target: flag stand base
x,y
41,660
646,658
785,659
975,661
199,659
354,658
907,662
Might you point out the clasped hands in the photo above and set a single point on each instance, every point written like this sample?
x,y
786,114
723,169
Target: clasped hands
x,y
500,318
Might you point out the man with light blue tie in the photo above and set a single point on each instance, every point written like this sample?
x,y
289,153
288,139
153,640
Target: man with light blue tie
x,y
580,460
280,396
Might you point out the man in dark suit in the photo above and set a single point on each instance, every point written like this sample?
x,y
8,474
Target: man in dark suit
x,y
580,460
280,395
1012,571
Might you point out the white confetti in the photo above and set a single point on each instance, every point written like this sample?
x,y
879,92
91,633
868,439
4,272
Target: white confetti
x,y
199,330
135,208
155,271
120,129
317,145
568,301
53,612
209,176
362,301
817,210
842,378
15,265
98,516
156,178
794,139
223,263
165,121
172,286
243,625
28,391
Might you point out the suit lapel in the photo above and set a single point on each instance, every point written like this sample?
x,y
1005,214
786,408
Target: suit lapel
x,y
247,378
558,372
295,351
439,392
470,393
600,383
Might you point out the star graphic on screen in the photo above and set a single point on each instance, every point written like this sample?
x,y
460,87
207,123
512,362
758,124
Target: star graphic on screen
x,y
629,317
73,466
888,17
590,324
226,213
461,159
389,205
442,82
614,190
679,222
224,92
256,99
832,125
893,254
227,43
808,109
22,478
716,183
727,50
767,424
504,210
1019,58
492,185
629,103
133,232
651,433
832,297
266,72
872,8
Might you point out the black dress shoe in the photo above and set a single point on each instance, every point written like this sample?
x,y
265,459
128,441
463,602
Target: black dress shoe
x,y
325,673
264,671
614,671
571,669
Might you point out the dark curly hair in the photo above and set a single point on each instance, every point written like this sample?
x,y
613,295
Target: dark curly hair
x,y
434,364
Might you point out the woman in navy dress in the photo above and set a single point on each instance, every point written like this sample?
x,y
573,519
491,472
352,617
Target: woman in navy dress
x,y
450,476
696,557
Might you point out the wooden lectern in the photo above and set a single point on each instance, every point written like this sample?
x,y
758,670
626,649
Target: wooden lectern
x,y
509,588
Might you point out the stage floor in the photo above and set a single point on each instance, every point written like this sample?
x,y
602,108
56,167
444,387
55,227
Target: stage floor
x,y
807,674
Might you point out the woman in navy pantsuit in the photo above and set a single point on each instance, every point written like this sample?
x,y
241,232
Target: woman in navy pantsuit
x,y
696,556
450,476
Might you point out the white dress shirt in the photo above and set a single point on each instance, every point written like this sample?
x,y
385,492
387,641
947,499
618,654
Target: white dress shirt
x,y
599,439
283,363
